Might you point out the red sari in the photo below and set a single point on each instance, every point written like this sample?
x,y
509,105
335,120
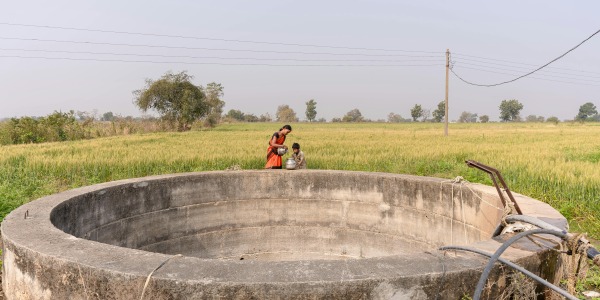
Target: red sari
x,y
273,159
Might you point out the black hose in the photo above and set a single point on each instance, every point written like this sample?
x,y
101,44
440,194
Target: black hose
x,y
488,268
591,251
533,221
516,267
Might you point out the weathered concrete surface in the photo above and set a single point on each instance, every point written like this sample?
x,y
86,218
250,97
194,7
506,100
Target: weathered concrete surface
x,y
258,234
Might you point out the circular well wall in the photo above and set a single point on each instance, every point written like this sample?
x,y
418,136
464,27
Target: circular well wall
x,y
313,233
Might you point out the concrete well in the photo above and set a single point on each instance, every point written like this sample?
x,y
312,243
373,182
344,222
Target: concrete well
x,y
259,234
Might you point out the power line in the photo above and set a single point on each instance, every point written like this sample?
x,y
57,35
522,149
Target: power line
x,y
215,39
519,67
532,77
508,81
516,63
215,49
502,73
219,57
494,59
277,52
496,68
215,63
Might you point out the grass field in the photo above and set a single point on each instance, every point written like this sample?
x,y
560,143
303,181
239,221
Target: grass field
x,y
558,164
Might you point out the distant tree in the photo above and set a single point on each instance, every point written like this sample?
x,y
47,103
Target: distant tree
x,y
586,111
336,120
425,115
108,116
321,120
250,118
439,114
531,118
353,116
311,110
175,98
214,92
286,114
266,117
84,116
467,117
396,118
416,112
60,126
553,119
55,127
25,130
235,114
484,119
541,119
510,109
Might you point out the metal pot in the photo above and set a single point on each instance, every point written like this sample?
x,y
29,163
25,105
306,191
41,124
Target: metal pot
x,y
290,164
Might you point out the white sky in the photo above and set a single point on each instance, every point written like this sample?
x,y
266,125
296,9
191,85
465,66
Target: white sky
x,y
529,32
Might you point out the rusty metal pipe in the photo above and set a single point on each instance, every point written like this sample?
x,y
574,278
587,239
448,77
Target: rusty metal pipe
x,y
493,174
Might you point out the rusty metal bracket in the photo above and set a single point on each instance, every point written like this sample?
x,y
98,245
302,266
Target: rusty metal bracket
x,y
496,176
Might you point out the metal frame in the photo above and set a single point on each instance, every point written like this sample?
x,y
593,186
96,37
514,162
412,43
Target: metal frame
x,y
493,174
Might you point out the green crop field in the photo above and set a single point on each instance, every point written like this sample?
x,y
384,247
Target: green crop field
x,y
558,164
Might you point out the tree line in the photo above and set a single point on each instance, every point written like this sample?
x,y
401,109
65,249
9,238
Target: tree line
x,y
510,111
182,105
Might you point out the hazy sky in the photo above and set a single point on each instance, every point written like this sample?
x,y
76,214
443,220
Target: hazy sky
x,y
510,37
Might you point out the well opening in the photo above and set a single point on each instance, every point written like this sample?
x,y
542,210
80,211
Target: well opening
x,y
282,215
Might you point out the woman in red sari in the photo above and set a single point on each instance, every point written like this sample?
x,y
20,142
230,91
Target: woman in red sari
x,y
276,142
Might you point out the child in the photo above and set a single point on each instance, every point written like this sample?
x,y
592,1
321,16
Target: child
x,y
298,157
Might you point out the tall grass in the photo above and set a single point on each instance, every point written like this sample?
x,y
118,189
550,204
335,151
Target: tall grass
x,y
557,164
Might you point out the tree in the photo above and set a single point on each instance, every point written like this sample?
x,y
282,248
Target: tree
x,y
586,111
396,118
108,116
266,117
251,118
440,112
484,119
553,119
175,98
416,112
467,117
336,120
311,110
214,92
510,109
55,127
353,116
286,114
531,118
235,114
85,116
425,115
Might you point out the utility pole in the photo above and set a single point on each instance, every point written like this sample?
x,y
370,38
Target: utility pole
x,y
446,100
